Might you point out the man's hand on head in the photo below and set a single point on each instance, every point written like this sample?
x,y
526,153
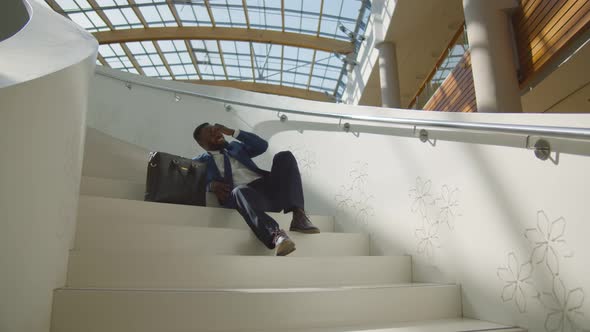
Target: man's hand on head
x,y
221,190
224,130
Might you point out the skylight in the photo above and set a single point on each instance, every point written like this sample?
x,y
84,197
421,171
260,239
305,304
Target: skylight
x,y
228,60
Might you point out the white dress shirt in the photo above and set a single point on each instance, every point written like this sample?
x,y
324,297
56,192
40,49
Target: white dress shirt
x,y
240,173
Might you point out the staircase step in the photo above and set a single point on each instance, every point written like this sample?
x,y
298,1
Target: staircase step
x,y
437,325
147,310
109,157
116,270
104,187
149,238
93,209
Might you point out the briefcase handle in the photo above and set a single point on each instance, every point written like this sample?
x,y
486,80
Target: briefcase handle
x,y
183,170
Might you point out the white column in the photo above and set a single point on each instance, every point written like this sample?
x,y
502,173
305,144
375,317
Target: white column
x,y
388,75
492,55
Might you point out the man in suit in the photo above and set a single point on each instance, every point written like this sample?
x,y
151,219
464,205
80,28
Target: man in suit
x,y
239,184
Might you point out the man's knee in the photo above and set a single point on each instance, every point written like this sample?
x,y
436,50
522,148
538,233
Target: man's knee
x,y
240,196
284,156
240,191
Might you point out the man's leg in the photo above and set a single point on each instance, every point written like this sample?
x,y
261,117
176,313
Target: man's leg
x,y
283,184
251,204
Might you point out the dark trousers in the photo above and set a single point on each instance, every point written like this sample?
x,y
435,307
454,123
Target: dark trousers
x,y
280,190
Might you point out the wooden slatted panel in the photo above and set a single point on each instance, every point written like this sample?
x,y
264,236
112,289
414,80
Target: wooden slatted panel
x,y
457,93
543,28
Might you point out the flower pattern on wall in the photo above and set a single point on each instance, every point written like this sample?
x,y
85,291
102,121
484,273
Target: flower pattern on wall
x,y
352,199
434,212
449,206
306,159
421,195
565,307
548,242
548,245
518,282
428,239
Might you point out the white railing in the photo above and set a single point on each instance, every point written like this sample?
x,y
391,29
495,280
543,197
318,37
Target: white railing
x,y
541,139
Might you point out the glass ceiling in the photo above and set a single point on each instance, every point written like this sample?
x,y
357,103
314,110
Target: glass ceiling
x,y
245,61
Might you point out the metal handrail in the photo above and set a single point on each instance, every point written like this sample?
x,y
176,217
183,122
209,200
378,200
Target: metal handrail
x,y
554,131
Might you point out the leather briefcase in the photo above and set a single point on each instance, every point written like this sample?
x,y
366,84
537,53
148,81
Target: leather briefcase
x,y
174,179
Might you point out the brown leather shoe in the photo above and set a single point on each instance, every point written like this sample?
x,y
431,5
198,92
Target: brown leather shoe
x,y
283,244
302,224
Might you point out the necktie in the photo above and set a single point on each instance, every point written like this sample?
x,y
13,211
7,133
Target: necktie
x,y
227,173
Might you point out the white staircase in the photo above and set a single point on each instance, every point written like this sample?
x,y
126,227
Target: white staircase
x,y
141,266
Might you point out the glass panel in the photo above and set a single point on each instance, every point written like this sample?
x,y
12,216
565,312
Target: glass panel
x,y
130,16
67,4
172,58
81,20
115,16
165,13
178,70
150,71
166,46
96,20
83,4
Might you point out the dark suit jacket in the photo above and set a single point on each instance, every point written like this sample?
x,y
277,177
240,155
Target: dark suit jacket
x,y
248,147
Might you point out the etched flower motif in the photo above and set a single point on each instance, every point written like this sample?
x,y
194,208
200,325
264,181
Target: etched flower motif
x,y
305,159
518,281
359,174
565,307
344,197
307,162
421,195
449,206
428,239
364,209
548,242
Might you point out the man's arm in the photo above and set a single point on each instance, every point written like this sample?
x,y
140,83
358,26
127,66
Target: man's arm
x,y
254,144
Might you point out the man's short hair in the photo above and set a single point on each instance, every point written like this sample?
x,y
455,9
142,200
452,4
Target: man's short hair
x,y
197,131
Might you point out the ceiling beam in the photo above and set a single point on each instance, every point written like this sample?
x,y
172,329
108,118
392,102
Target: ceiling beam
x,y
315,51
267,88
129,55
252,62
283,14
320,18
55,6
191,53
237,34
164,60
311,69
282,62
222,59
175,12
246,13
210,12
102,60
100,13
137,12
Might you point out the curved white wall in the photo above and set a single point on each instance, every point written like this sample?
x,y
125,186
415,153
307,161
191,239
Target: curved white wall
x,y
44,73
481,203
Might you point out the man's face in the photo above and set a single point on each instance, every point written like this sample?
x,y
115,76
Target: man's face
x,y
211,138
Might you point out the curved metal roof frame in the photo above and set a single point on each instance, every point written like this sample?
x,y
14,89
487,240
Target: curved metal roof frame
x,y
241,43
